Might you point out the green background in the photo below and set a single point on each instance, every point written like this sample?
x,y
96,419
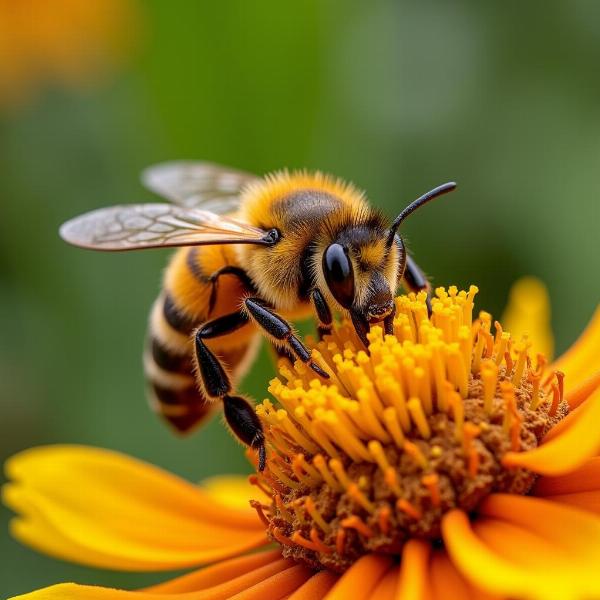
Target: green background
x,y
396,96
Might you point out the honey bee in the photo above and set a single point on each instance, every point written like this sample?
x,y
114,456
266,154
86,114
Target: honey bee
x,y
254,254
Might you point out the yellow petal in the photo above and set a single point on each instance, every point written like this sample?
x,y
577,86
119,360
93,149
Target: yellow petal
x,y
581,360
528,312
360,579
413,580
512,560
105,509
234,491
271,581
569,449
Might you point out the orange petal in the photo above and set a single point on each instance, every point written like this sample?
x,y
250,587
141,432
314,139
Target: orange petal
x,y
528,312
580,391
589,501
360,579
571,529
316,587
413,580
278,586
446,582
567,450
580,361
509,560
102,508
226,572
585,478
386,588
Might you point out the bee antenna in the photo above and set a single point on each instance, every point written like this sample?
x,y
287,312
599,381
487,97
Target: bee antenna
x,y
424,199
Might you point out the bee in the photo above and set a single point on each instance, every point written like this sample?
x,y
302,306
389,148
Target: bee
x,y
254,253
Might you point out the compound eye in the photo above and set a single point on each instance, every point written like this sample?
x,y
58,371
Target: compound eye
x,y
339,276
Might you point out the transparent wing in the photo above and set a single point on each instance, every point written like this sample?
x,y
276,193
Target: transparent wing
x,y
137,226
198,184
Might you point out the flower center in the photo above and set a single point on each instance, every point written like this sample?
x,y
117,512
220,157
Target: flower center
x,y
401,434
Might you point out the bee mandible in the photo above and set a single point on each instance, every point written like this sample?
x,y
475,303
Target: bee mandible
x,y
254,254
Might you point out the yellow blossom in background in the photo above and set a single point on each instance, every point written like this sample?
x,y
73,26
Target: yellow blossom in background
x,y
445,463
528,312
71,43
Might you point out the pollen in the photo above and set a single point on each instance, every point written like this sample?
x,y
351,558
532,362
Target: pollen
x,y
403,431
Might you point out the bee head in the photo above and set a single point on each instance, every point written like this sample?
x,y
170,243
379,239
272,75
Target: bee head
x,y
362,277
362,266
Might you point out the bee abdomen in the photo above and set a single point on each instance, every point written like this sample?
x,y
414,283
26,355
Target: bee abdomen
x,y
172,387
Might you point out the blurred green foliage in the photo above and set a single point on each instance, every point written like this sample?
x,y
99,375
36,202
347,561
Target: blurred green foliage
x,y
396,96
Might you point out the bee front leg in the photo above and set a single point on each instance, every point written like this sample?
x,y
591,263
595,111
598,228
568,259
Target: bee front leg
x,y
323,313
414,280
280,331
215,382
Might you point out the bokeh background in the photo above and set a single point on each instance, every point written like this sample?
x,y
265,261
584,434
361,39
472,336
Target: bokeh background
x,y
396,96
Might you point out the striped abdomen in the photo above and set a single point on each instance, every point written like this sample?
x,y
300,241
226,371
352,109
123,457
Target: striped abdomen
x,y
182,306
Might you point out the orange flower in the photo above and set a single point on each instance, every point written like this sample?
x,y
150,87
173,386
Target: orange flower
x,y
71,42
445,464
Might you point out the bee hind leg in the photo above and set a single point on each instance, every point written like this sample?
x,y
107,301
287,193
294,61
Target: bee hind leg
x,y
215,381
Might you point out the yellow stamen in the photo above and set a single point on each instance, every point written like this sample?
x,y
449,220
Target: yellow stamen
x,y
418,416
357,523
321,465
310,506
431,482
360,498
415,453
406,507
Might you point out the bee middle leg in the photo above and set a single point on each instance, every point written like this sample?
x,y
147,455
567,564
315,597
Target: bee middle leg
x,y
215,381
280,331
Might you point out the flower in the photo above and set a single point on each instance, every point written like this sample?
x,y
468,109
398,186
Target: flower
x,y
446,462
71,42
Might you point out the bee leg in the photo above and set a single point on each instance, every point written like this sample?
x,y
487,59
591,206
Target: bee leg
x,y
239,414
323,313
228,270
415,280
282,352
280,331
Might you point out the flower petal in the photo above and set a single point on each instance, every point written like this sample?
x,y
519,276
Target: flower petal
x,y
226,571
446,581
361,578
528,312
413,579
274,580
581,360
566,528
567,450
579,392
233,491
102,508
586,478
316,587
511,560
386,588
